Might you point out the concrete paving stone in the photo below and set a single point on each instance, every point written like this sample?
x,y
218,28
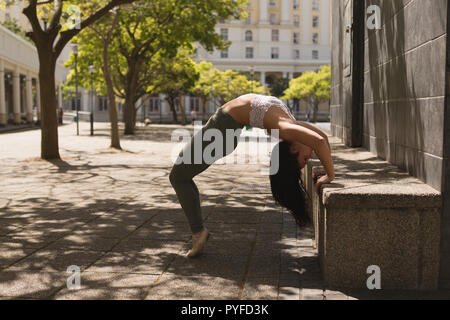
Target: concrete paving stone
x,y
109,286
227,247
180,287
9,255
171,216
83,242
209,265
261,288
311,294
334,295
151,261
264,265
145,246
56,260
231,217
30,284
236,232
163,230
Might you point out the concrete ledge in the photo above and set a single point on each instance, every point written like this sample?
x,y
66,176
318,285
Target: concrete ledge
x,y
375,214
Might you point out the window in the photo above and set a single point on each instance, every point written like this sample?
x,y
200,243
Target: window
x,y
296,20
296,54
295,38
315,38
315,21
224,33
275,53
195,104
315,55
153,105
7,16
249,53
296,4
224,54
272,3
315,5
102,103
248,35
272,18
275,35
222,21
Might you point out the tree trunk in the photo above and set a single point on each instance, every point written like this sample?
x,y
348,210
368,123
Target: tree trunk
x,y
316,110
130,101
183,111
49,121
113,118
172,106
128,115
204,101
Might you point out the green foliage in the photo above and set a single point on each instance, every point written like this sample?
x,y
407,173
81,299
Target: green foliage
x,y
279,86
315,86
13,26
176,76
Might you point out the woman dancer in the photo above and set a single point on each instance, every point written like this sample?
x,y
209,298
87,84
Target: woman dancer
x,y
298,141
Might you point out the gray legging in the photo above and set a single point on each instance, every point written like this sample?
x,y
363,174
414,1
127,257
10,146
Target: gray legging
x,y
182,174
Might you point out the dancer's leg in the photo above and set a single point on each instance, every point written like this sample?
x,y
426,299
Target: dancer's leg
x,y
182,174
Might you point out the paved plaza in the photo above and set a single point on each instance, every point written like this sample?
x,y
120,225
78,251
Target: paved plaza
x,y
115,215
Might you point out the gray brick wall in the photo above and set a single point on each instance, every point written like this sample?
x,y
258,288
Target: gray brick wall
x,y
405,97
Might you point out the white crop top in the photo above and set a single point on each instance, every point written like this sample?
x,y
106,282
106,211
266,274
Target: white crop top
x,y
259,107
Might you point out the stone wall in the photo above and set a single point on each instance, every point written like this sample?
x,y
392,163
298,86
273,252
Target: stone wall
x,y
401,113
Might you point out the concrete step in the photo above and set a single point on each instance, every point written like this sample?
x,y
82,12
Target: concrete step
x,y
374,214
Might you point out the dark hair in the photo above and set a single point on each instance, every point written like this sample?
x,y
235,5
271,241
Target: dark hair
x,y
287,185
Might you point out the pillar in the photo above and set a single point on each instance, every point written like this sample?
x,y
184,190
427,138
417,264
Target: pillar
x,y
285,12
3,115
263,78
16,96
263,15
29,97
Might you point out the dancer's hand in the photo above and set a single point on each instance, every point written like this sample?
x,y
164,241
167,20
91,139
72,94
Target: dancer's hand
x,y
322,180
318,173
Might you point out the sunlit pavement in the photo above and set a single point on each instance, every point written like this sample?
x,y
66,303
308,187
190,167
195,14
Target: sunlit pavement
x,y
114,215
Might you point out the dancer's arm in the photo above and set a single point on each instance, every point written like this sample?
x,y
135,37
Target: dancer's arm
x,y
293,132
315,129
290,131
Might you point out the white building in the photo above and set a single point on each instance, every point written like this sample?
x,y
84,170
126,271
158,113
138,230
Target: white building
x,y
280,38
19,80
19,72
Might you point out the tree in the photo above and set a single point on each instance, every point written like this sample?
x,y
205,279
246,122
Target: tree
x,y
203,87
176,76
49,42
150,26
279,86
95,50
312,86
230,84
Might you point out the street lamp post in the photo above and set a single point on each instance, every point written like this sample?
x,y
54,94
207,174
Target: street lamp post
x,y
75,52
91,71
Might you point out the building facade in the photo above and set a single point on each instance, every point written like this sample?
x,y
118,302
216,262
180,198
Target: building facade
x,y
279,39
19,72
